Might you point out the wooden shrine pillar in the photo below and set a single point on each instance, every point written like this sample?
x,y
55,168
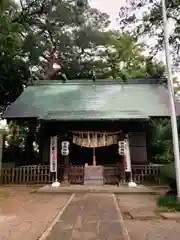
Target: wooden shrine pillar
x,y
65,154
66,169
122,173
122,170
94,156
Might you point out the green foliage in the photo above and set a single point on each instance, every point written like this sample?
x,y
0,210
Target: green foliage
x,y
161,141
169,201
168,176
14,75
16,143
123,56
10,38
144,18
168,172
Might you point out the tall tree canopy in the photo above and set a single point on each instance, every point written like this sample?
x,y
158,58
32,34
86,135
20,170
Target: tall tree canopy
x,y
144,17
14,73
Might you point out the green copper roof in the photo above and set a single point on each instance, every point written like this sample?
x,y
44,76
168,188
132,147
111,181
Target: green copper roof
x,y
93,115
76,101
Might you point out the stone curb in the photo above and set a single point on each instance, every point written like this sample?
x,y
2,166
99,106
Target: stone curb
x,y
48,230
123,225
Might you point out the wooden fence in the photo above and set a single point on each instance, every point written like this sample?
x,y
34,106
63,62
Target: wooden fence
x,y
42,175
26,175
146,173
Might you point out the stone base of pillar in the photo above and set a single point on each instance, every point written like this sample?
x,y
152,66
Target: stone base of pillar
x,y
56,184
132,184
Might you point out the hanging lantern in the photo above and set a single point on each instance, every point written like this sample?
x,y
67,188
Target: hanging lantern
x,y
65,148
122,147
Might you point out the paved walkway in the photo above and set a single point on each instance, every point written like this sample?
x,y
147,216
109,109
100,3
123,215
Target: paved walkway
x,y
89,217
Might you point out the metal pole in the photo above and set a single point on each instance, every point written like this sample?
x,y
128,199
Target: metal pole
x,y
171,100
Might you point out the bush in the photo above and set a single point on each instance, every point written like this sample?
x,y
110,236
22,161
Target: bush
x,y
168,175
169,201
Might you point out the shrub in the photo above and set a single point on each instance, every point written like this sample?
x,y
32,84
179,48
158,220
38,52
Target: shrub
x,y
168,175
169,201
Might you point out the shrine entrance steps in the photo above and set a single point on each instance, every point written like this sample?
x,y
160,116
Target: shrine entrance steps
x,y
95,175
121,189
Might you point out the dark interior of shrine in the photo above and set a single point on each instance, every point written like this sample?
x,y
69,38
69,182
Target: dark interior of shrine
x,y
104,155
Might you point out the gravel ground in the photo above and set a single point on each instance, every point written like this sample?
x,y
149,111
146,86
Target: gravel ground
x,y
149,229
26,215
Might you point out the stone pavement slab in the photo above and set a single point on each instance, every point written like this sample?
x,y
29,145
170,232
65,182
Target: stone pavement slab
x,y
147,229
89,216
142,215
153,229
170,215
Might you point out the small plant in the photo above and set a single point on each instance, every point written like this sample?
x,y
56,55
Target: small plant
x,y
169,201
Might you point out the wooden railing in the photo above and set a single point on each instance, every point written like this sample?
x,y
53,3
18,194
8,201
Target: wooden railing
x,y
26,175
76,174
111,174
42,175
146,173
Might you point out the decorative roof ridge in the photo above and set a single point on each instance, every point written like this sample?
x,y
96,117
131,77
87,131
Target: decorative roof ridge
x,y
145,80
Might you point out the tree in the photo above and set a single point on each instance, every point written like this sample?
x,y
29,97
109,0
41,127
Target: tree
x,y
14,74
62,38
144,17
66,36
161,141
75,39
123,56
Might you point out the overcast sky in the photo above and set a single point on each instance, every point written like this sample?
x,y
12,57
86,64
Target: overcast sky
x,y
109,6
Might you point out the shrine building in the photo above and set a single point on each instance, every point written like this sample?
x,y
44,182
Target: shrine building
x,y
87,123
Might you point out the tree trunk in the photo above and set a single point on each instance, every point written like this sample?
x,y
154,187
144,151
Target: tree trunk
x,y
50,72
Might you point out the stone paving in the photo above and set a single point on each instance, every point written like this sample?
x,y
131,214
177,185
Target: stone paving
x,y
26,215
142,220
89,216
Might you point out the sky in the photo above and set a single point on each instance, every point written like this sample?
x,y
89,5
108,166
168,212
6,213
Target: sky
x,y
109,6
